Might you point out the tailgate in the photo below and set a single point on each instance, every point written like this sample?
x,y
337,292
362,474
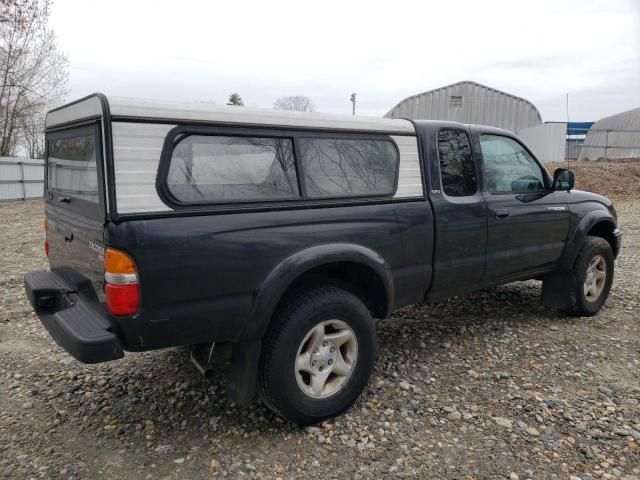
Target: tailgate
x,y
74,206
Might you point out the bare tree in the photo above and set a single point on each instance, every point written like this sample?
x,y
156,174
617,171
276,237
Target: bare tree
x,y
298,103
32,134
236,100
33,74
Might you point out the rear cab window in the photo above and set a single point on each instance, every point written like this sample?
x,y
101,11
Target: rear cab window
x,y
73,175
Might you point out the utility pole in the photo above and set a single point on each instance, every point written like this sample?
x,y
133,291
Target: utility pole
x,y
353,100
568,141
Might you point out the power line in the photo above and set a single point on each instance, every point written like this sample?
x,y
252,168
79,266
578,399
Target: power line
x,y
28,90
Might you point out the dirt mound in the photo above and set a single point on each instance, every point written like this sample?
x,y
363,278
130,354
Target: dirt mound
x,y
618,181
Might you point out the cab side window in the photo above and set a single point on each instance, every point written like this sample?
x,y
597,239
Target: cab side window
x,y
509,167
457,170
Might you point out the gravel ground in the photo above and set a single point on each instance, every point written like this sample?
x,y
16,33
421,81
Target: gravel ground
x,y
618,181
489,385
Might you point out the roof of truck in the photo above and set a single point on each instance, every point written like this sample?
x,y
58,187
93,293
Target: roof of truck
x,y
169,112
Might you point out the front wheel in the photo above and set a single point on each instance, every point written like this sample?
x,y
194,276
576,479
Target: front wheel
x,y
591,278
317,355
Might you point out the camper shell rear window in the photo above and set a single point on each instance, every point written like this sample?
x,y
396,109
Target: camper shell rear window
x,y
73,161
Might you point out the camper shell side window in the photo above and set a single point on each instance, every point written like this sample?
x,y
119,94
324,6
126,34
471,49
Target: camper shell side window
x,y
203,166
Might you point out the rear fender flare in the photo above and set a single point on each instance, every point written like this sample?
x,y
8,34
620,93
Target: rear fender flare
x,y
282,277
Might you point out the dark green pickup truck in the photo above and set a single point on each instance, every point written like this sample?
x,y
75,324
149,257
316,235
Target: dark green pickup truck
x,y
279,236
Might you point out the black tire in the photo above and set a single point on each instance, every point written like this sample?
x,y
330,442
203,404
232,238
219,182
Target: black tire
x,y
277,384
580,305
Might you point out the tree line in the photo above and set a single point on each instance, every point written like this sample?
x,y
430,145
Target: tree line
x,y
298,103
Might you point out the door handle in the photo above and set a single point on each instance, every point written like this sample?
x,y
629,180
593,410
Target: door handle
x,y
501,213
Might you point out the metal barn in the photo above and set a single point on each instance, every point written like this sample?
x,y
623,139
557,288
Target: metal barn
x,y
469,102
613,138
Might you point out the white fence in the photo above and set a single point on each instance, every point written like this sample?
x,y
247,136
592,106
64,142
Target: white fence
x,y
21,178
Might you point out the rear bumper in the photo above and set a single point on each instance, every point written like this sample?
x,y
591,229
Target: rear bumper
x,y
73,316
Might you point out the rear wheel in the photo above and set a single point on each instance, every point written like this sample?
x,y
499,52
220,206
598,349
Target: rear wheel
x,y
317,356
591,279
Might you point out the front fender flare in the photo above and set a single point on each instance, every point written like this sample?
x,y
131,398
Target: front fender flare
x,y
580,233
282,276
556,287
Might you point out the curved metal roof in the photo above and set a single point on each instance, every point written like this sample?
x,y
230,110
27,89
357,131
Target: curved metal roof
x,y
479,104
614,137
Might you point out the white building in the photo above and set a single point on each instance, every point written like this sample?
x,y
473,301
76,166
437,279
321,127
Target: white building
x,y
613,138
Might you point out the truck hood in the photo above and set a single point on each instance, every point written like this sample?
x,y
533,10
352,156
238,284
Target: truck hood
x,y
580,196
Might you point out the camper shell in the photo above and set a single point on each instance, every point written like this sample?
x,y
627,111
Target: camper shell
x,y
135,132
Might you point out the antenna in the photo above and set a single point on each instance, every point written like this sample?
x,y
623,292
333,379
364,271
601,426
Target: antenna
x,y
568,143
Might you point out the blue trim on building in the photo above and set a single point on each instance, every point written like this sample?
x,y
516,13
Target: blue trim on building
x,y
577,128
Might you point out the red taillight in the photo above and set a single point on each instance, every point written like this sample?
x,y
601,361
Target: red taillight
x,y
122,299
46,247
122,291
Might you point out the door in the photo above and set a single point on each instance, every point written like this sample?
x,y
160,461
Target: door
x,y
527,221
459,212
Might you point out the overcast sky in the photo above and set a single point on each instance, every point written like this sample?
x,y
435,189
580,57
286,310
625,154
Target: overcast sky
x,y
384,51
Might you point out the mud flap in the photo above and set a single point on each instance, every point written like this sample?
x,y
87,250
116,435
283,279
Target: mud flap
x,y
242,373
556,290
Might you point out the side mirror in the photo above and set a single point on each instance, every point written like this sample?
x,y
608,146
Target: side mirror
x,y
563,180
